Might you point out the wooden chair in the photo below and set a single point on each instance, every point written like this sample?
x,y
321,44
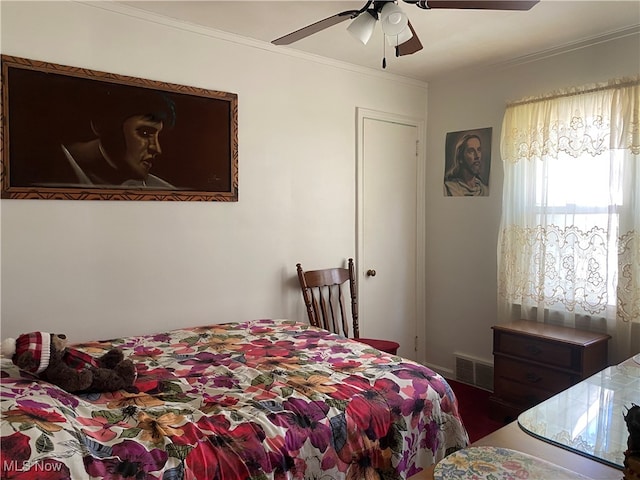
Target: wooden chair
x,y
322,291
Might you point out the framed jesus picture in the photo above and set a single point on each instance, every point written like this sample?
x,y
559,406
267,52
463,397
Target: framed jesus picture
x,y
79,134
467,163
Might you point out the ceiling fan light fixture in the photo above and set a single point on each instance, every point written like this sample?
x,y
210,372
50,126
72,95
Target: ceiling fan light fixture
x,y
362,27
403,36
393,19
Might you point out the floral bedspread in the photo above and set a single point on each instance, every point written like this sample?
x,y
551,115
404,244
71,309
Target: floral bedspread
x,y
260,400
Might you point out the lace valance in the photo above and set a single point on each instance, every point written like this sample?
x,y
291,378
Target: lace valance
x,y
577,121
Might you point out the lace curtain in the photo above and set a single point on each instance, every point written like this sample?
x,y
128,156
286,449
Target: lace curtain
x,y
569,242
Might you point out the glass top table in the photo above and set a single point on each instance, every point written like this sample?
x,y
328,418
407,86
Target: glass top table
x,y
587,418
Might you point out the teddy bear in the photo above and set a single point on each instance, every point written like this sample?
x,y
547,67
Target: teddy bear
x,y
48,357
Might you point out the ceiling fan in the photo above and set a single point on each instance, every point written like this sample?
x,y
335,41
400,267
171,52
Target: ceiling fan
x,y
395,24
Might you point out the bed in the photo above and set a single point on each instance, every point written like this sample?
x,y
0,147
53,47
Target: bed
x,y
262,399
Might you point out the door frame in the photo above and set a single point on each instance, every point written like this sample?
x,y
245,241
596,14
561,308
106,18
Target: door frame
x,y
362,115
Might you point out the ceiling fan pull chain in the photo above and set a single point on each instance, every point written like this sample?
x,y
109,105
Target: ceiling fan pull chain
x,y
384,52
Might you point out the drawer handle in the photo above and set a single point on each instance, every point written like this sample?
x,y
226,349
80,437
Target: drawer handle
x,y
533,350
532,377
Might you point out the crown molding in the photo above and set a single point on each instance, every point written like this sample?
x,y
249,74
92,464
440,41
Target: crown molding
x,y
570,47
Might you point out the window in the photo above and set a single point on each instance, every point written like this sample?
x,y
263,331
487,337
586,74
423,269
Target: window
x,y
570,225
579,195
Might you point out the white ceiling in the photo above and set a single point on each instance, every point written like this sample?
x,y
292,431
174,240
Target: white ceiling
x,y
452,39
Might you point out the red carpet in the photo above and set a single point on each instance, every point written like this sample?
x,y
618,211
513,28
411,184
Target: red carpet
x,y
474,410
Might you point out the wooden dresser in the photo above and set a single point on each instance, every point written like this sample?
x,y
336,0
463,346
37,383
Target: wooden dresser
x,y
534,361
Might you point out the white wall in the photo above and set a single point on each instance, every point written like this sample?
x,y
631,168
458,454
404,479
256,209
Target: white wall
x,y
462,233
99,269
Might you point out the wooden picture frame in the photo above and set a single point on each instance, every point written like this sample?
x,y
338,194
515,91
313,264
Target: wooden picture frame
x,y
468,165
78,134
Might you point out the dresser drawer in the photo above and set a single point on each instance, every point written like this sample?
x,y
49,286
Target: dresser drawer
x,y
517,394
556,354
533,375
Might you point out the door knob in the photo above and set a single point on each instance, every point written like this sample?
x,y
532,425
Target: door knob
x,y
371,273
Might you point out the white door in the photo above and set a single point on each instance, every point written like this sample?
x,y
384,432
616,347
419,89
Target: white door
x,y
391,230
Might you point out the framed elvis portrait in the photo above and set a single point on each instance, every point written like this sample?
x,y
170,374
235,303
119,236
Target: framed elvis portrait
x,y
78,134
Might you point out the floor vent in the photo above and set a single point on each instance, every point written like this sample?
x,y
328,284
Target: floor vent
x,y
474,371
464,370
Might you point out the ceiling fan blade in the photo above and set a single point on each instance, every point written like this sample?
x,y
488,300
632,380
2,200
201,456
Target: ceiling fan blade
x,y
480,4
412,45
316,27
